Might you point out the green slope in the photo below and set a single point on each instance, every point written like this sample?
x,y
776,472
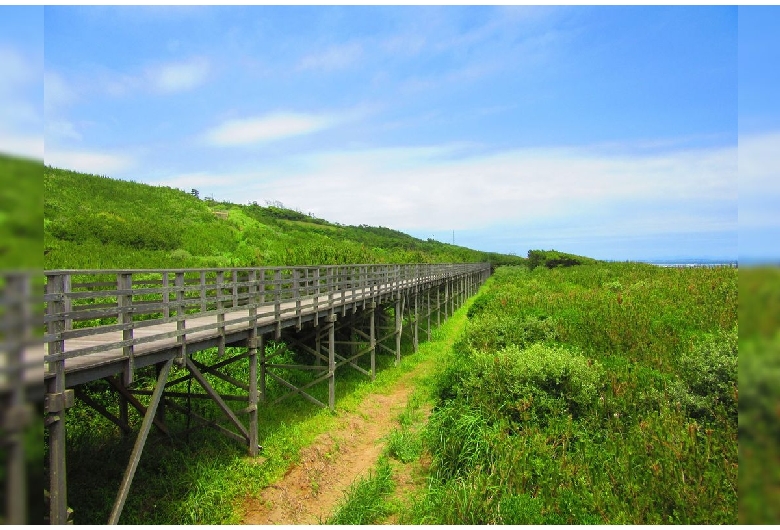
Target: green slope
x,y
20,213
98,222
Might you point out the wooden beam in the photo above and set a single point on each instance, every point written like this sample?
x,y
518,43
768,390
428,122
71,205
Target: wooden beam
x,y
138,448
216,397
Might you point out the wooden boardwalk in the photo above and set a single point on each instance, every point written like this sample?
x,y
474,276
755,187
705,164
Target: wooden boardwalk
x,y
108,324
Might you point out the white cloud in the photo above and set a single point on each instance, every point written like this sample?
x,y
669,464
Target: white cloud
x,y
15,70
21,145
93,162
61,129
267,128
759,180
437,188
178,77
334,58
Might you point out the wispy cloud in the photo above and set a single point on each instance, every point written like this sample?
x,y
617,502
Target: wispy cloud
x,y
268,128
180,76
21,145
61,129
333,58
57,93
437,188
92,162
759,180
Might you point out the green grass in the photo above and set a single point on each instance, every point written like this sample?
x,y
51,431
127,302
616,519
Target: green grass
x,y
366,500
93,222
602,393
203,478
759,377
21,208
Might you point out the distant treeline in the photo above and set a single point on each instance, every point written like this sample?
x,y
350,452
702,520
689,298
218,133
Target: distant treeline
x,y
552,259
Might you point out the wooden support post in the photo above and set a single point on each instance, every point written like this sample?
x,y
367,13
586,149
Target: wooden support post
x,y
416,313
160,416
438,306
263,367
254,342
55,410
372,335
331,362
428,310
138,448
398,325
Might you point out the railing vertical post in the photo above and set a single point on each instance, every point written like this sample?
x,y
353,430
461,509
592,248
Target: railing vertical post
x,y
331,361
329,285
372,338
397,330
203,303
438,305
55,409
220,282
255,342
416,314
428,309
124,283
166,295
316,297
278,301
181,339
235,288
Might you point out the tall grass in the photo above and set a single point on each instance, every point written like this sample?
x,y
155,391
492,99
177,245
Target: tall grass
x,y
759,377
365,501
603,393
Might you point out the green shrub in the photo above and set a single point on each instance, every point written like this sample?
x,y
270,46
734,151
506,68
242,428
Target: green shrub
x,y
709,372
532,384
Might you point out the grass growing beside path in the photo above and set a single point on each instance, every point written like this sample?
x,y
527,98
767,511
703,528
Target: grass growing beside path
x,y
204,478
603,393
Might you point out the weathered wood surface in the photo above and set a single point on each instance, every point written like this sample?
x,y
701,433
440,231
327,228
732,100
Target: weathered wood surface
x,y
110,317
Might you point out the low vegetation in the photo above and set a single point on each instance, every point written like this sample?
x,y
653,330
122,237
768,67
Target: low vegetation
x,y
93,222
603,393
759,377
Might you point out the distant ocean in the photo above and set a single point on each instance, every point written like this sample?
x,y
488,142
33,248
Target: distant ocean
x,y
692,262
689,262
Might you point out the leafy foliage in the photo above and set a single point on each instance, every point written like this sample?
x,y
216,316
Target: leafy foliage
x,y
603,393
553,258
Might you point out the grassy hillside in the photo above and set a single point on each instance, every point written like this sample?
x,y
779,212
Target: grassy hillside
x,y
20,213
98,222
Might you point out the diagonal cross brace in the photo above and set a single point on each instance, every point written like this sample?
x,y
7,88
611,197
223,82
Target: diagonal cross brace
x,y
217,398
140,442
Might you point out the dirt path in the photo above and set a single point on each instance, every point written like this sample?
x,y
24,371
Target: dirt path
x,y
311,489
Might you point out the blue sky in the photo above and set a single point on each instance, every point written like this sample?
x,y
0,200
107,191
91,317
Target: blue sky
x,y
606,131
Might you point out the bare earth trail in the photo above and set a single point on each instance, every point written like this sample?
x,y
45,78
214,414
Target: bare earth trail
x,y
312,488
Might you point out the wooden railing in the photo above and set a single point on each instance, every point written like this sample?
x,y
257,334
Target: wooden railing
x,y
90,303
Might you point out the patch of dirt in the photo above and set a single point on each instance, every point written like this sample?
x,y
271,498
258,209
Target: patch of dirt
x,y
312,488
